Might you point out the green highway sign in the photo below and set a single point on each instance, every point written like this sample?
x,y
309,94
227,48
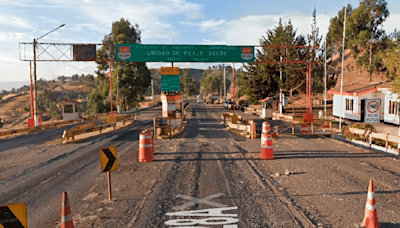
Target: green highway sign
x,y
170,83
184,53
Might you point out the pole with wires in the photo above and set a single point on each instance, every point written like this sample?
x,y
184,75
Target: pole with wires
x,y
341,80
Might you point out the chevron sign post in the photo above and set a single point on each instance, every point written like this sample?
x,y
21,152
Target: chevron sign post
x,y
108,161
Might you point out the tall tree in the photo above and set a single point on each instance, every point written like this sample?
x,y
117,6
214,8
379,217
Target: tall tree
x,y
334,37
263,80
188,85
366,33
134,77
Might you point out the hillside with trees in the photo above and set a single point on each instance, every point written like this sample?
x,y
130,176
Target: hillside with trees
x,y
371,53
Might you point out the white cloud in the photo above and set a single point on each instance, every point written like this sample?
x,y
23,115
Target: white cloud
x,y
213,42
391,23
248,30
14,36
210,25
13,21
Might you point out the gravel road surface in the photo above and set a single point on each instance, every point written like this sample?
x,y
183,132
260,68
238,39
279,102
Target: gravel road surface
x,y
206,177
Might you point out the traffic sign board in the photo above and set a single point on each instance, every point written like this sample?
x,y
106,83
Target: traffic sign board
x,y
13,216
184,53
372,110
170,83
170,71
305,129
108,159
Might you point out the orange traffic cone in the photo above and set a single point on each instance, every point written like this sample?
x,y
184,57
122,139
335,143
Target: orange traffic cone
x,y
371,216
66,217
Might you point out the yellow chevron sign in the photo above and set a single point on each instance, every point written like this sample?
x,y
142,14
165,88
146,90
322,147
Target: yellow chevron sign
x,y
13,216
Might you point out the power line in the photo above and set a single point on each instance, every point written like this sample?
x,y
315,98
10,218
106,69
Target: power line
x,y
50,71
15,49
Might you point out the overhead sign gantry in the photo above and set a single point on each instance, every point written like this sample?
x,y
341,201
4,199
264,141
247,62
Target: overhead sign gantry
x,y
183,53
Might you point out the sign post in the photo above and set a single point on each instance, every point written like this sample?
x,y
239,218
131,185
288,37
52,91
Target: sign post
x,y
372,115
108,161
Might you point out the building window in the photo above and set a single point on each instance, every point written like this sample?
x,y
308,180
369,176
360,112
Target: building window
x,y
349,104
394,107
68,109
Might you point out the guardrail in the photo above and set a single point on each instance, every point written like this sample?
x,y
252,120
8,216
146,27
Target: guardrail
x,y
72,133
41,127
111,121
373,135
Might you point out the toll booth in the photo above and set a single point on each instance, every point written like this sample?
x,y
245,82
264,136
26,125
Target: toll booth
x,y
172,106
70,110
267,107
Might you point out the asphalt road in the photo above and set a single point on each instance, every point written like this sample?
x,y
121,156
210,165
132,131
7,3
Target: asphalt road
x,y
37,168
206,177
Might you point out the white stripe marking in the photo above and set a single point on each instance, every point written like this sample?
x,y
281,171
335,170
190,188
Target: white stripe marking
x,y
371,195
66,218
267,147
370,207
146,137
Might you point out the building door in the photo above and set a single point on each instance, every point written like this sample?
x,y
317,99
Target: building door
x,y
362,110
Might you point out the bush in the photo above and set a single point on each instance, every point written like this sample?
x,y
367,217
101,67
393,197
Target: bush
x,y
349,136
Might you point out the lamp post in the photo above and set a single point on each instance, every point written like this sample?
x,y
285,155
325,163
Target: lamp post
x,y
35,117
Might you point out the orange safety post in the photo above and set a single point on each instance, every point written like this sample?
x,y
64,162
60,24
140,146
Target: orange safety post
x,y
145,146
267,151
371,215
66,217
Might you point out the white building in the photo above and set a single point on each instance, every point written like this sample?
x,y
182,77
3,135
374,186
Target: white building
x,y
351,104
392,105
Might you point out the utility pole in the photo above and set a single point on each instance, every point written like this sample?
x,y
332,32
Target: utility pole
x,y
152,90
118,108
325,83
233,87
341,80
35,117
224,82
280,89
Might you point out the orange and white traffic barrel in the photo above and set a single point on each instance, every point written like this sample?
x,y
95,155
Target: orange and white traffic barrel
x,y
266,127
145,146
267,151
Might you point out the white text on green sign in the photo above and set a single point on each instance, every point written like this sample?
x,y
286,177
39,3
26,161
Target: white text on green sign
x,y
184,53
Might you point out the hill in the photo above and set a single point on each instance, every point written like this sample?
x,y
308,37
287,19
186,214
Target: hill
x,y
15,106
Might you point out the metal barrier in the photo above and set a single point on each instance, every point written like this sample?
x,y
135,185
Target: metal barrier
x,y
41,127
373,135
323,130
72,133
238,123
163,128
111,121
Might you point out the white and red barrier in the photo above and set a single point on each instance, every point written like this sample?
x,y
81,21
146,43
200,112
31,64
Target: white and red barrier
x,y
146,150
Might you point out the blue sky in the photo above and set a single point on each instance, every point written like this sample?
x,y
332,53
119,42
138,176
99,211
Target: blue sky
x,y
231,22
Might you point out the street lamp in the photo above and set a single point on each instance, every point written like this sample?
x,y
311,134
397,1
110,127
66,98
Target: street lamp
x,y
34,75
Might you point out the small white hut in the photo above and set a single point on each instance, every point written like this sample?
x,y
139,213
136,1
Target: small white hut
x,y
70,110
